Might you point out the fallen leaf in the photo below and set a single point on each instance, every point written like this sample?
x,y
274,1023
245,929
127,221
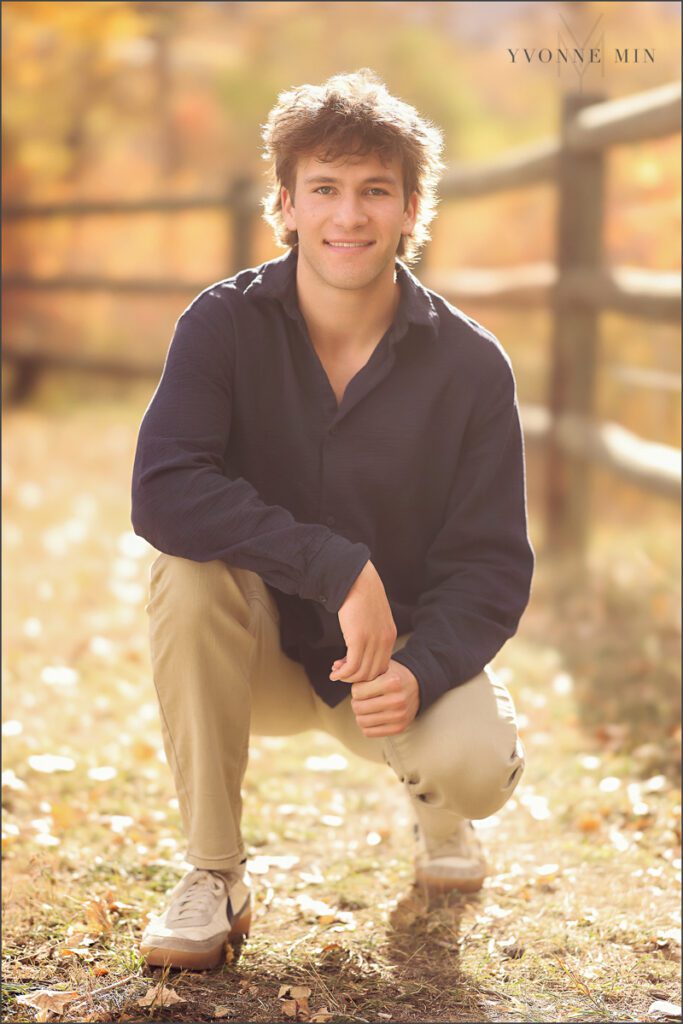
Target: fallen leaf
x,y
296,1008
79,951
79,936
160,996
97,916
333,763
10,780
331,820
546,871
261,865
143,751
48,763
47,1001
661,1010
589,823
221,1011
293,992
322,1015
319,911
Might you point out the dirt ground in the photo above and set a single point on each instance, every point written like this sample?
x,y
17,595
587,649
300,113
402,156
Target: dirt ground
x,y
579,919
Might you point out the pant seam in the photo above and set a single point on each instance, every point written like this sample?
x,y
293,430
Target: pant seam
x,y
227,856
252,597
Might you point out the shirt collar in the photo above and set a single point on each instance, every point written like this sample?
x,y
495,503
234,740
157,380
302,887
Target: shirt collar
x,y
276,279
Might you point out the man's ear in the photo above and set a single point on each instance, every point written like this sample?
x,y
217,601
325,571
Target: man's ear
x,y
410,214
288,211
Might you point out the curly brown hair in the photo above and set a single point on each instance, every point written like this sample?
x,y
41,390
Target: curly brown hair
x,y
352,115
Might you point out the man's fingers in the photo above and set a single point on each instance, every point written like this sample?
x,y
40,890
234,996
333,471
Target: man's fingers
x,y
349,665
390,717
385,684
356,666
371,706
367,689
384,730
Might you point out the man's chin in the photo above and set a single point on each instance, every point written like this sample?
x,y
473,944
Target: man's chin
x,y
351,278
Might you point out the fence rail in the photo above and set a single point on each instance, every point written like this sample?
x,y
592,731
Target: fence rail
x,y
577,286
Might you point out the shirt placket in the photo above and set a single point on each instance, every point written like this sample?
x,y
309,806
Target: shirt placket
x,y
334,418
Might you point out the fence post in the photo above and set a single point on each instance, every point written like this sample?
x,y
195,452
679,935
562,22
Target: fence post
x,y
241,214
575,335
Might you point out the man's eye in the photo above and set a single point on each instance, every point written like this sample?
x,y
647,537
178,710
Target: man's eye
x,y
326,190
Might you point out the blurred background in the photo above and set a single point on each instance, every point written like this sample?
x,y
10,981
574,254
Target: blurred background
x,y
132,174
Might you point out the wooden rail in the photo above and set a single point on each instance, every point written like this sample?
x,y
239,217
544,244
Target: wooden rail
x,y
654,467
578,286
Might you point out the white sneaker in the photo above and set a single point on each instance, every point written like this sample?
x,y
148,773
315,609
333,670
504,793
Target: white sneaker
x,y
457,862
206,910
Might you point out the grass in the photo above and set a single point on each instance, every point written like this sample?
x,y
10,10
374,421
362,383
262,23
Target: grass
x,y
579,919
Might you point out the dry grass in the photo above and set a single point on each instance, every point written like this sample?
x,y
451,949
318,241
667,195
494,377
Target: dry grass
x,y
578,921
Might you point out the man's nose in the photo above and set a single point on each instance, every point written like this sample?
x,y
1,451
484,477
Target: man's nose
x,y
349,213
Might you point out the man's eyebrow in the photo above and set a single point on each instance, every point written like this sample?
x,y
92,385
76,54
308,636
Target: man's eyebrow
x,y
376,179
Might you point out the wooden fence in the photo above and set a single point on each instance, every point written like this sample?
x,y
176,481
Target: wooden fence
x,y
578,286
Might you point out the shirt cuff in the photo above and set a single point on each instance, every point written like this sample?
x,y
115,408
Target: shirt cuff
x,y
430,691
332,571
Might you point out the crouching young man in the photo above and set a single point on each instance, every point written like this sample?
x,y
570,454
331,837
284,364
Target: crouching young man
x,y
332,467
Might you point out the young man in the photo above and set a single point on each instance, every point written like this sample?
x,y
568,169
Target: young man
x,y
332,468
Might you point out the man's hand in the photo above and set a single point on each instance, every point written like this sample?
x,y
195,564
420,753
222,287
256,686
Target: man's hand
x,y
368,629
386,705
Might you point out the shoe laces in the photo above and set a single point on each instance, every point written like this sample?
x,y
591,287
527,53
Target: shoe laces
x,y
462,842
196,904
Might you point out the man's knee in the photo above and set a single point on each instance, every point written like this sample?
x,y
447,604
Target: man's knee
x,y
474,775
483,780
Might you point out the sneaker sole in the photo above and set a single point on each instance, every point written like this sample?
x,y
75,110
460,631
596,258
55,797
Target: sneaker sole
x,y
201,957
438,884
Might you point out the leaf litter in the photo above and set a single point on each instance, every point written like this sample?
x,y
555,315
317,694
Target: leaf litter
x,y
565,857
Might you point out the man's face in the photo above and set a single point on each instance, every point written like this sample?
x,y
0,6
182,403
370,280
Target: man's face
x,y
349,215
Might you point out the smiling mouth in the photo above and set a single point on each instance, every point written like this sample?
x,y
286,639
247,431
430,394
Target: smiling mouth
x,y
347,245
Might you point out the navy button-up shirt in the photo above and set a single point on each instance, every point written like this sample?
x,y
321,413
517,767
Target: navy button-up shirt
x,y
245,455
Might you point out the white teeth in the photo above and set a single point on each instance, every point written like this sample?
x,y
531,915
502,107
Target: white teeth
x,y
349,245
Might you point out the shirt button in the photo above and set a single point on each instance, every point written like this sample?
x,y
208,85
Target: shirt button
x,y
330,520
322,599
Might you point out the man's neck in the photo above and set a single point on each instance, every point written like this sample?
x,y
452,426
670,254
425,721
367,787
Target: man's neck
x,y
346,322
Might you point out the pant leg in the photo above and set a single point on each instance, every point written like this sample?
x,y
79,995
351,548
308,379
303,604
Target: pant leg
x,y
219,673
462,758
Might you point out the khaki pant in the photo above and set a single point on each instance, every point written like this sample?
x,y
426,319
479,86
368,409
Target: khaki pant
x,y
220,674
